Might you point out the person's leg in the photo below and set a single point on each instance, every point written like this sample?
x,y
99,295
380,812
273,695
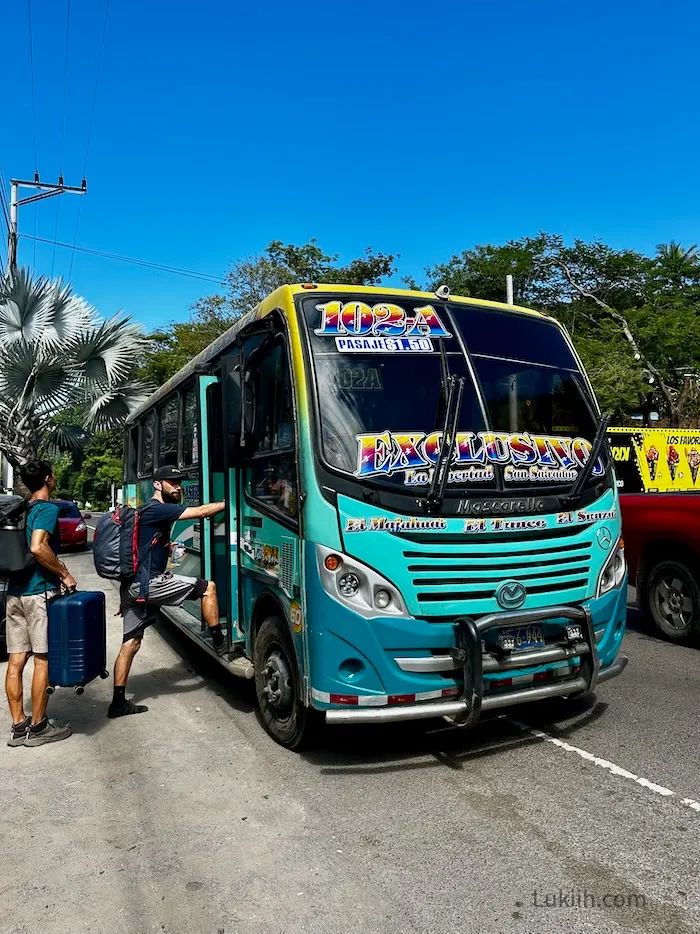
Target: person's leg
x,y
18,649
120,706
136,618
173,589
14,687
210,605
42,730
126,656
210,614
40,681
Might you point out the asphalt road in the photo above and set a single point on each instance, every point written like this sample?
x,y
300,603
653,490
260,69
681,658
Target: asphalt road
x,y
189,820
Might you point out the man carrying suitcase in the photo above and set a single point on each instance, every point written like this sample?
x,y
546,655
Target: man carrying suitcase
x,y
154,586
27,626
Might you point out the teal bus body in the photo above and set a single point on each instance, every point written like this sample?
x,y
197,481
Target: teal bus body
x,y
353,599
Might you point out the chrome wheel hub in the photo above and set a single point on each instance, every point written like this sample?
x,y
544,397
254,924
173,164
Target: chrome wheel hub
x,y
278,688
674,602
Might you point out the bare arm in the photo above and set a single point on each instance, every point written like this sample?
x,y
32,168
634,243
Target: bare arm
x,y
202,512
41,550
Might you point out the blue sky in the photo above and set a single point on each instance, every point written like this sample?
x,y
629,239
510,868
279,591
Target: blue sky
x,y
420,129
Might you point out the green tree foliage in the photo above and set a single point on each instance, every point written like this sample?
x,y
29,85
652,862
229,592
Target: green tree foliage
x,y
88,472
634,319
246,283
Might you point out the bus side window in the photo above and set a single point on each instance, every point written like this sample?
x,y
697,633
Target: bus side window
x,y
131,451
271,474
167,443
190,440
147,444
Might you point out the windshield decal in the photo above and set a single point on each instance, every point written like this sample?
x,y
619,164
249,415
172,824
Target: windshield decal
x,y
381,328
526,458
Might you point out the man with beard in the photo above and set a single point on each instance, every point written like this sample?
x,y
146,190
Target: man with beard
x,y
154,586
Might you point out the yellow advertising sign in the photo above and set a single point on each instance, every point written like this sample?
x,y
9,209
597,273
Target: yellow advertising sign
x,y
656,460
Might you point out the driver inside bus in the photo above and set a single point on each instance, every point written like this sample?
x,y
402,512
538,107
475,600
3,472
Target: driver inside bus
x,y
155,586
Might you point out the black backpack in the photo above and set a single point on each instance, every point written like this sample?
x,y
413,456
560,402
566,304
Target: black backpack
x,y
115,548
15,556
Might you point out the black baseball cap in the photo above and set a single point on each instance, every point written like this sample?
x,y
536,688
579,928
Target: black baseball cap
x,y
168,472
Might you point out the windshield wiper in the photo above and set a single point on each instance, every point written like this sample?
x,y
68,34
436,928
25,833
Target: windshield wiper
x,y
436,493
582,479
444,385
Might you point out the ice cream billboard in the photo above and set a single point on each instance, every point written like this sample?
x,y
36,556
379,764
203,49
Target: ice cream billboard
x,y
656,460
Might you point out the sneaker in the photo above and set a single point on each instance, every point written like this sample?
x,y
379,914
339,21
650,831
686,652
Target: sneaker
x,y
51,732
125,709
221,648
19,731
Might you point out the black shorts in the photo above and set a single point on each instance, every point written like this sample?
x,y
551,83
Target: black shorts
x,y
165,590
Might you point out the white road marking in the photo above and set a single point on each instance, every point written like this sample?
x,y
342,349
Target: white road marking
x,y
607,765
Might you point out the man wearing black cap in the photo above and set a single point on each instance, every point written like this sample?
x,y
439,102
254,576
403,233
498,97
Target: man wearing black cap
x,y
154,586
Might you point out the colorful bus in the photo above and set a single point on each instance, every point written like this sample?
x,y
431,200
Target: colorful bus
x,y
422,517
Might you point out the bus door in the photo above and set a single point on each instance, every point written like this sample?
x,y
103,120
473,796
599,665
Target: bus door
x,y
214,531
269,547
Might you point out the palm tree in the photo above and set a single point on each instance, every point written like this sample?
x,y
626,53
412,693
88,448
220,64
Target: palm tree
x,y
58,358
677,264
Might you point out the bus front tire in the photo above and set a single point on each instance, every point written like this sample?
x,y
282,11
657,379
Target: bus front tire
x,y
283,714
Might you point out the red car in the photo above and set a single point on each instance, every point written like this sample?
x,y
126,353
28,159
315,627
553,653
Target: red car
x,y
662,547
71,525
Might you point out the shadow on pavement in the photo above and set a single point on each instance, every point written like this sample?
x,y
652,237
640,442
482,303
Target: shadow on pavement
x,y
237,692
643,625
427,744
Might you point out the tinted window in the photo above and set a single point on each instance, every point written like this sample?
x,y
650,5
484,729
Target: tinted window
x,y
271,476
68,511
190,439
147,443
380,367
535,399
514,336
169,419
273,427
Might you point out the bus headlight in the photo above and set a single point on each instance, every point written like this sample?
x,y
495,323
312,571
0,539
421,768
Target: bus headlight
x,y
349,584
382,599
358,586
613,573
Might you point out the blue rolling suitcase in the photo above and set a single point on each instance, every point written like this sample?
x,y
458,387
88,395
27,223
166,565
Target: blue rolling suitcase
x,y
77,640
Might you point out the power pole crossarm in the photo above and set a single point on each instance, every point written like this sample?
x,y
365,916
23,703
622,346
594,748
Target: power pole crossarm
x,y
47,191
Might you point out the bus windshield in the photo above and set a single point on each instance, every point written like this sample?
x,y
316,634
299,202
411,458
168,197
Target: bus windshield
x,y
526,419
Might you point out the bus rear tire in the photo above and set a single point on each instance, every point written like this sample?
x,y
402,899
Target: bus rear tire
x,y
283,714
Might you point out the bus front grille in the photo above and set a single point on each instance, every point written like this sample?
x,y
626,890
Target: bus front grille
x,y
463,571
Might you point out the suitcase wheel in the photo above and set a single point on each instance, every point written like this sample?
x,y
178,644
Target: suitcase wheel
x,y
50,689
105,674
79,689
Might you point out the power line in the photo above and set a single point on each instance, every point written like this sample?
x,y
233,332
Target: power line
x,y
92,120
176,270
63,133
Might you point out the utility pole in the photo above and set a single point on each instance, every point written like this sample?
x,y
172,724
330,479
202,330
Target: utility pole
x,y
46,191
509,289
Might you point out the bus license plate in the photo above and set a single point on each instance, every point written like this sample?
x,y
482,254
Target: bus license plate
x,y
527,637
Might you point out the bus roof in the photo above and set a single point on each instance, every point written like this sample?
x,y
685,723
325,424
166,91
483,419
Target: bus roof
x,y
274,300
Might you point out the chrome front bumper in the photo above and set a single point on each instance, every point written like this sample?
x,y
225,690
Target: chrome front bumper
x,y
468,654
